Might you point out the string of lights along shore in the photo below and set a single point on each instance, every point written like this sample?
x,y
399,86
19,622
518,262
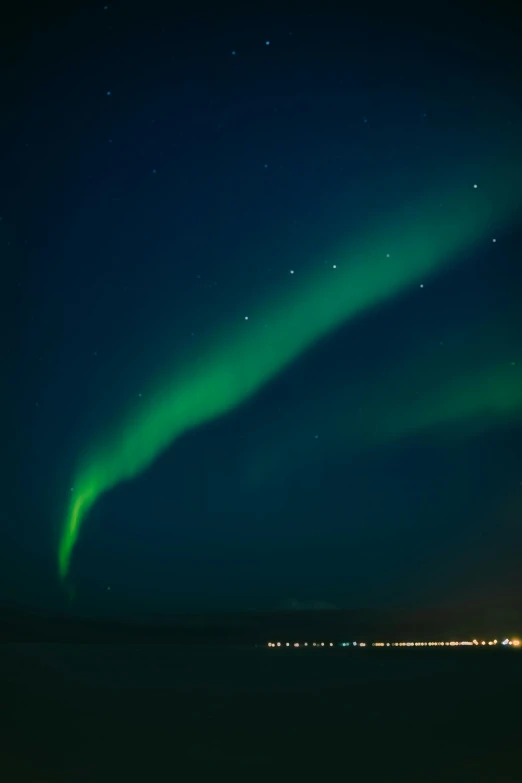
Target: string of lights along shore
x,y
473,643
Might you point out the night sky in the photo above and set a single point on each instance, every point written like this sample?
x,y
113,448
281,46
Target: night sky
x,y
261,294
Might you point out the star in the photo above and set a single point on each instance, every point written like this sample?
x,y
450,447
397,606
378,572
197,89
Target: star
x,y
246,317
291,271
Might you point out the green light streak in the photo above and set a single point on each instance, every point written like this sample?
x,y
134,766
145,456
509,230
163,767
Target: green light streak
x,y
421,240
469,386
476,400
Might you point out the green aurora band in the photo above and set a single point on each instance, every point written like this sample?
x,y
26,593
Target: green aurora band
x,y
470,386
474,401
421,240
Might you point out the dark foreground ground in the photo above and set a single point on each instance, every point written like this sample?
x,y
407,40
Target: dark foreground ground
x,y
151,712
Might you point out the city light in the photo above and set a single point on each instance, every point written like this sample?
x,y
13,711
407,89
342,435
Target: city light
x,y
467,643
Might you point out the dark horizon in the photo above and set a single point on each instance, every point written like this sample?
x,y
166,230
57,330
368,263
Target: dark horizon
x,y
258,627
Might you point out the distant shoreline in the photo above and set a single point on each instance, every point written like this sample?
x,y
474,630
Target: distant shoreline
x,y
260,628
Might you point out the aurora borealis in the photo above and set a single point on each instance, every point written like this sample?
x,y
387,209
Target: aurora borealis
x,y
267,313
237,365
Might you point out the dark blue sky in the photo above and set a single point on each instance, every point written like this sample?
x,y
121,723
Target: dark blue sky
x,y
161,173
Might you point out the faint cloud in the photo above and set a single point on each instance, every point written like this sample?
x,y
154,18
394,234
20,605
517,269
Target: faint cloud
x,y
293,605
